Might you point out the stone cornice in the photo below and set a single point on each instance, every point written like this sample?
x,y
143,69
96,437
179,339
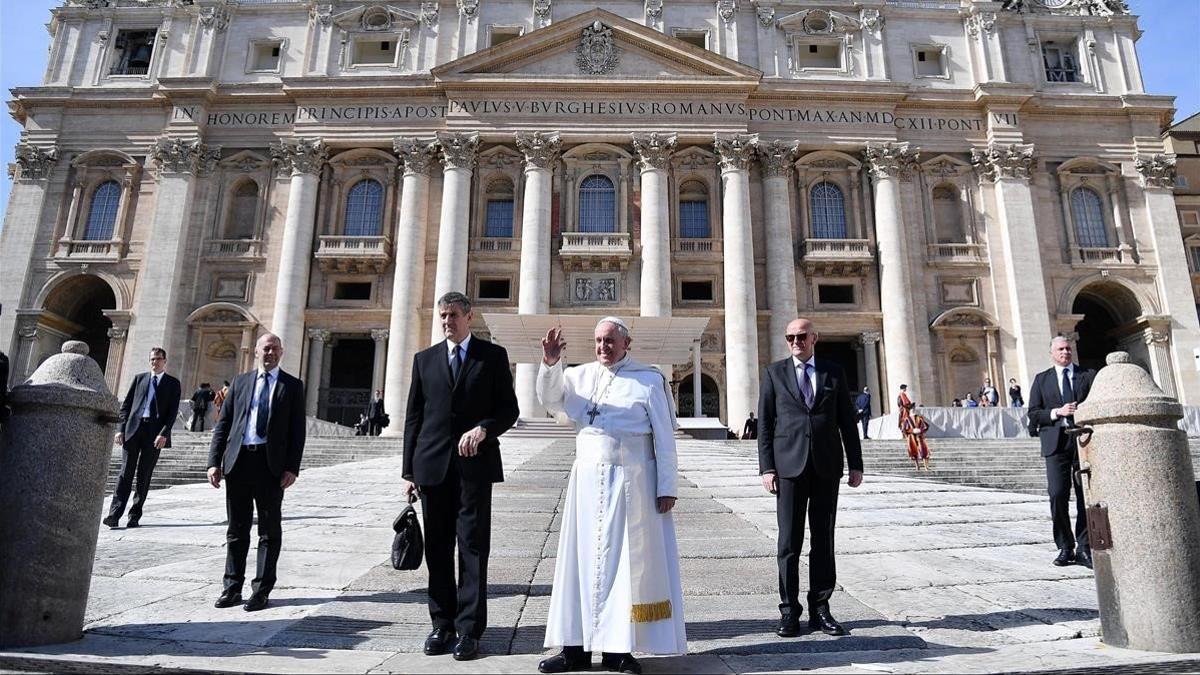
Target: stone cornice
x,y
736,151
1000,161
185,155
302,155
890,160
777,157
540,149
33,162
1158,171
654,149
458,149
416,155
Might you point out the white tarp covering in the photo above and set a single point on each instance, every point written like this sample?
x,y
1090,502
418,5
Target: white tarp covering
x,y
989,423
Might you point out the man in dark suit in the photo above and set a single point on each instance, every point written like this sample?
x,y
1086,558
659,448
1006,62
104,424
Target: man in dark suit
x,y
3,388
1053,397
257,445
200,400
460,401
806,424
862,407
376,414
147,414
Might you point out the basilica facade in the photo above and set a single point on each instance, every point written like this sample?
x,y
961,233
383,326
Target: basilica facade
x,y
941,185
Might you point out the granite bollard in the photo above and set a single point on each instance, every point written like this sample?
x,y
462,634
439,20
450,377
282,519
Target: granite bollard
x,y
1143,519
54,456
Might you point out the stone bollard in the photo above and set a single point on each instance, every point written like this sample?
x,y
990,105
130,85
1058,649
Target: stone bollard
x,y
54,456
1143,519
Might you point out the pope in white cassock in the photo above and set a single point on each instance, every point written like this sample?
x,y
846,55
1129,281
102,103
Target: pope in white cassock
x,y
616,582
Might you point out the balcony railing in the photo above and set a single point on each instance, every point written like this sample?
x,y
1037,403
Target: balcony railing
x,y
1101,256
106,249
689,246
337,253
958,253
495,244
834,257
1062,75
595,250
234,248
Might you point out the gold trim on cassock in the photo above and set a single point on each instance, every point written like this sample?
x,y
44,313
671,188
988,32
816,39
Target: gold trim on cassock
x,y
651,611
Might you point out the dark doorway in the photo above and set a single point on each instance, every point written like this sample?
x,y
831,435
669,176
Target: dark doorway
x,y
350,364
843,354
81,301
1095,331
710,397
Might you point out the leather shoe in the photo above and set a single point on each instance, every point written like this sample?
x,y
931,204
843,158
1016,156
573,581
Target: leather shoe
x,y
1084,557
621,663
111,521
566,661
820,619
439,641
228,599
1065,557
133,522
466,648
256,602
789,626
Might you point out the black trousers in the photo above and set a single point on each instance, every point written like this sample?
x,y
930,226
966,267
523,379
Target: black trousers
x,y
1060,477
375,427
138,458
458,511
865,420
814,496
198,416
249,486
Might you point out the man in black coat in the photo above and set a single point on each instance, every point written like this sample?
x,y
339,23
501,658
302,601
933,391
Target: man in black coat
x,y
1053,397
806,424
257,445
460,401
200,400
862,407
376,414
147,414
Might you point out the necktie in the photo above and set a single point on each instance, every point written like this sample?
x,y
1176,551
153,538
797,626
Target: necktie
x,y
806,386
264,406
1068,394
456,363
153,396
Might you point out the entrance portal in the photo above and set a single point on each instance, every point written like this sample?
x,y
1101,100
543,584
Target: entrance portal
x,y
76,309
350,365
842,353
1110,312
710,397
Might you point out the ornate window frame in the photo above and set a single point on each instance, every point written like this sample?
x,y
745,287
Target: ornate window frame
x,y
251,54
498,163
1105,180
943,50
91,170
837,169
349,168
820,27
600,159
699,165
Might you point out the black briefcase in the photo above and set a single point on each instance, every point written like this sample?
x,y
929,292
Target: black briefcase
x,y
408,546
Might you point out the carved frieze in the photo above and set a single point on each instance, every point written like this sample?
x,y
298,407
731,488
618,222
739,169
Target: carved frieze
x,y
654,149
185,155
597,53
540,148
777,157
1158,171
416,155
890,160
1004,161
1068,7
33,162
594,289
983,22
303,155
458,149
736,151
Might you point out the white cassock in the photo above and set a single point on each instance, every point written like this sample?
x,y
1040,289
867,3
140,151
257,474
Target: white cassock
x,y
616,581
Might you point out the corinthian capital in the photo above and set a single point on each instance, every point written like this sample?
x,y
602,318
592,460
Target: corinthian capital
x,y
540,149
185,155
458,150
303,155
890,160
416,155
1158,171
33,162
735,150
777,157
654,149
319,334
1004,161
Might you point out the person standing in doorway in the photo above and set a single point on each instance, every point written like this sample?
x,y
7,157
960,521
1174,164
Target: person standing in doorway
x,y
376,415
200,400
862,407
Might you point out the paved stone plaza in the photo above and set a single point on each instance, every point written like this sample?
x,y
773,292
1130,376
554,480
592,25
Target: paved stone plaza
x,y
935,578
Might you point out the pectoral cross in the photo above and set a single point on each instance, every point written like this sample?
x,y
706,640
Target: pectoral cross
x,y
592,414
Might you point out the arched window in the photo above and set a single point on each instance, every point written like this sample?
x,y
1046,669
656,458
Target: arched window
x,y
364,209
243,211
693,211
499,214
828,211
1088,213
597,205
102,217
947,215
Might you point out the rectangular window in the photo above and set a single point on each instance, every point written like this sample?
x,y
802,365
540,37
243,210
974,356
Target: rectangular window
x,y
696,38
498,35
352,290
265,56
1181,181
375,51
1060,61
495,289
831,294
1189,218
930,61
693,220
133,51
499,218
1194,258
819,55
696,291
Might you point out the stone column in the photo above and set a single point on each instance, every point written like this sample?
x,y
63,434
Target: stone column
x,y
317,339
888,163
1158,347
697,387
870,341
1010,168
533,297
458,160
405,321
776,159
26,202
1174,280
654,154
303,159
736,151
380,337
157,317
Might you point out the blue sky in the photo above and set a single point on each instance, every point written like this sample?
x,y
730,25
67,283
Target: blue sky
x,y
1168,49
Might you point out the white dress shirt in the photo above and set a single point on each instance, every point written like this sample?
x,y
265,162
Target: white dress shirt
x,y
798,365
1067,396
151,393
250,436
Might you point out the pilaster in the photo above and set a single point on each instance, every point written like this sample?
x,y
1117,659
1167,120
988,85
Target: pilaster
x,y
26,203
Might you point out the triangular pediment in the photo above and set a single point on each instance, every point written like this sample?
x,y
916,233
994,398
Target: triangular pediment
x,y
622,50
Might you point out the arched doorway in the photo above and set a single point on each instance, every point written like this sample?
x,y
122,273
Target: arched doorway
x,y
74,310
1110,313
710,397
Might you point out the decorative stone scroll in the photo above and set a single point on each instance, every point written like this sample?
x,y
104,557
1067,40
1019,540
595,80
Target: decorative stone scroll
x,y
1068,7
872,20
726,10
321,13
429,14
217,16
303,155
185,155
983,22
541,11
1158,171
468,9
597,53
735,150
654,11
416,155
777,157
890,160
319,334
540,148
1004,161
765,15
654,149
458,149
33,162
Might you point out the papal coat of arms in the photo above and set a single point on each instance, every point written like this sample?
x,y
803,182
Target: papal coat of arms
x,y
597,54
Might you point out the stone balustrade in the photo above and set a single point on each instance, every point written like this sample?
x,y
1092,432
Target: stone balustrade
x,y
234,248
689,246
336,253
958,252
103,249
495,244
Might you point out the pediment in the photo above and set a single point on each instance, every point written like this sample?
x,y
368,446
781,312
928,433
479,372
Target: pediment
x,y
612,48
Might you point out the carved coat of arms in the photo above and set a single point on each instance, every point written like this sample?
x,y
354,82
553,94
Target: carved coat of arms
x,y
597,54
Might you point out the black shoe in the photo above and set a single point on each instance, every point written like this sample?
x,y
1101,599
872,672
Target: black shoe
x,y
1084,557
566,661
439,641
228,599
820,619
789,626
256,602
621,663
1065,557
133,522
111,521
466,648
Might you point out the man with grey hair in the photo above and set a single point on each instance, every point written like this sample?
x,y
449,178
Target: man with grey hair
x,y
616,578
459,403
1053,397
